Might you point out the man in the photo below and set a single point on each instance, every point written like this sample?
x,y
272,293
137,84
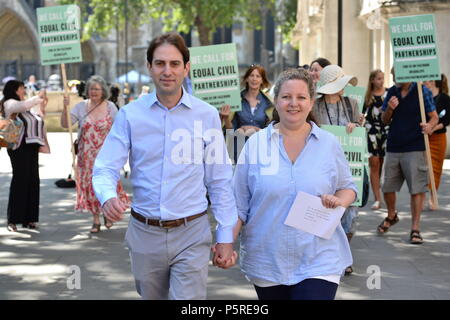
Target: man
x,y
405,157
32,85
171,137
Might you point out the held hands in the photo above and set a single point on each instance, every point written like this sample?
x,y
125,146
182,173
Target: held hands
x,y
114,209
224,255
330,201
393,103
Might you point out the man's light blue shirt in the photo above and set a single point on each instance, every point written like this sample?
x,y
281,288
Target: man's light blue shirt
x,y
175,156
270,250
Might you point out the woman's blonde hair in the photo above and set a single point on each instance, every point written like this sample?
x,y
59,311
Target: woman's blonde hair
x,y
369,91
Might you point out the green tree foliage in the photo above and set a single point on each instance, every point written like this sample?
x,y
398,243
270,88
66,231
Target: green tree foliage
x,y
100,16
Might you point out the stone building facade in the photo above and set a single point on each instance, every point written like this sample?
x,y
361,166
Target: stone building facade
x,y
365,35
365,40
110,57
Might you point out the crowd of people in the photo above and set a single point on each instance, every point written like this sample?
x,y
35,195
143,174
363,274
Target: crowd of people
x,y
169,236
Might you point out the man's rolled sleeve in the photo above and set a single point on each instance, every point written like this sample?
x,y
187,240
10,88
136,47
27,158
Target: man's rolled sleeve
x,y
111,158
218,176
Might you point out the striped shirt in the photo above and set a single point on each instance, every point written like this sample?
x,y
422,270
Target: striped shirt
x,y
33,129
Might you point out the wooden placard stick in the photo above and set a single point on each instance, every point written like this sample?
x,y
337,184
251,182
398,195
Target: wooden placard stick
x,y
69,122
434,198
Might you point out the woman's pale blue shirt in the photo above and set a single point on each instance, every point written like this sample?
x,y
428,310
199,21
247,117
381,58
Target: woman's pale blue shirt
x,y
270,250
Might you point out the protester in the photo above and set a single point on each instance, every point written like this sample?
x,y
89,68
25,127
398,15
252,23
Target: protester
x,y
81,89
256,106
95,117
72,84
376,131
169,233
334,109
438,139
405,148
144,90
23,204
116,97
31,86
316,67
281,261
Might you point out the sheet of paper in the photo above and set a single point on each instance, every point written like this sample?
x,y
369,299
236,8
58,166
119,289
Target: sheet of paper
x,y
308,214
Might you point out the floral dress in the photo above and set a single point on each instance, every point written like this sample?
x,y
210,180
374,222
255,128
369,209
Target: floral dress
x,y
376,130
93,134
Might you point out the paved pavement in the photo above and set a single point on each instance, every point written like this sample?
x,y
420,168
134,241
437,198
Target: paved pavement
x,y
40,264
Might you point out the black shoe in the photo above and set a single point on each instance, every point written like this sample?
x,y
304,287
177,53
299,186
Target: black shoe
x,y
348,270
31,225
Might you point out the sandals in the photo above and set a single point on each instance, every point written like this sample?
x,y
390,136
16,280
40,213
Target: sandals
x,y
415,237
11,227
382,228
108,223
95,228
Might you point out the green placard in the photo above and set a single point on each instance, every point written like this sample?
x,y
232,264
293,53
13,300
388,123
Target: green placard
x,y
357,93
215,75
355,149
415,49
59,33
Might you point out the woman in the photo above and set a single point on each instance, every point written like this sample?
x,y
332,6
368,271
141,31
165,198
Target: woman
x,y
95,117
115,96
283,262
23,204
256,106
334,109
316,67
376,131
438,140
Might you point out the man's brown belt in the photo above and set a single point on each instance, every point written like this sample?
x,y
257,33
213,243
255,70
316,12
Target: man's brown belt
x,y
165,223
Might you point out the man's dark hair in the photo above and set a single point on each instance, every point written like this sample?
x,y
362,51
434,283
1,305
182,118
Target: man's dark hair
x,y
172,38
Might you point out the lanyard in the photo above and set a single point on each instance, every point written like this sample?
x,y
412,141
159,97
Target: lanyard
x,y
328,113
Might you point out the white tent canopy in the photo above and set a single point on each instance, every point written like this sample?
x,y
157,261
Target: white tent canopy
x,y
134,77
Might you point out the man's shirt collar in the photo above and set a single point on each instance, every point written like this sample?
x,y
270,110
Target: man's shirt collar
x,y
185,100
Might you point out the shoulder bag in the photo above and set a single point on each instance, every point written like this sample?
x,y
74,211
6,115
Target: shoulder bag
x,y
10,131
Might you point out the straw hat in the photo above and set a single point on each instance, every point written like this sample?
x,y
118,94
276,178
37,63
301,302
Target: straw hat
x,y
333,80
72,83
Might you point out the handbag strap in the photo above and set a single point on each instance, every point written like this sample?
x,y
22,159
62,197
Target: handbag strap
x,y
90,111
349,108
81,128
